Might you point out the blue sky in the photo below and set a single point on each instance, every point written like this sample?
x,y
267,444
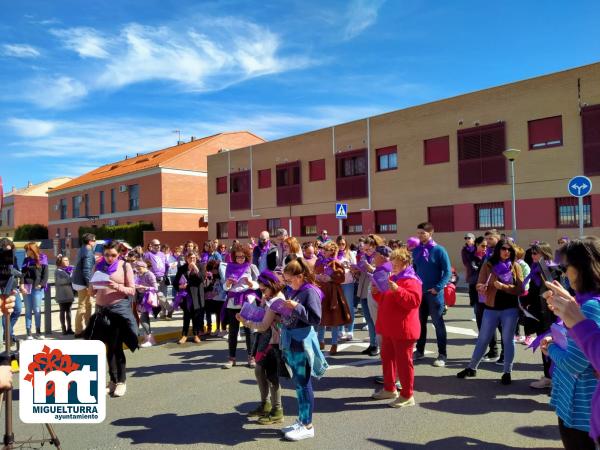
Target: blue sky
x,y
86,83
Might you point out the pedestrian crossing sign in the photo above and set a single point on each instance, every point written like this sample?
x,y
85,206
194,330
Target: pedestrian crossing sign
x,y
341,210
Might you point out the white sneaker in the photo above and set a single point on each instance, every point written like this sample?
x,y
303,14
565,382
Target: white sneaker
x,y
440,361
29,337
146,344
120,390
300,433
291,427
542,383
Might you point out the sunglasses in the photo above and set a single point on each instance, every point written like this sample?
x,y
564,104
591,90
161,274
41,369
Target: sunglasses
x,y
506,248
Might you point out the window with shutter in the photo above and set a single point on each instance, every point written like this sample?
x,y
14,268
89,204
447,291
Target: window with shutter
x,y
272,225
489,215
480,159
442,218
316,170
351,175
436,150
385,221
387,158
545,133
567,212
308,225
264,178
590,126
221,185
239,196
241,229
289,186
222,232
353,224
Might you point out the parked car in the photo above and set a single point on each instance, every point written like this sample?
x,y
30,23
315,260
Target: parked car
x,y
99,248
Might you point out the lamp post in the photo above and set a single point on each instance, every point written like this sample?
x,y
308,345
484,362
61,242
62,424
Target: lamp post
x,y
511,154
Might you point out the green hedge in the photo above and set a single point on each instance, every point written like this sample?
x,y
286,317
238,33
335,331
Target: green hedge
x,y
31,232
132,233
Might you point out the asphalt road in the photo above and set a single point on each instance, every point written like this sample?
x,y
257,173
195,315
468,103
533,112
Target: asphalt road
x,y
179,397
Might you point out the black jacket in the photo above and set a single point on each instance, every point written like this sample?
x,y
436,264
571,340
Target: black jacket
x,y
84,266
271,257
36,276
195,285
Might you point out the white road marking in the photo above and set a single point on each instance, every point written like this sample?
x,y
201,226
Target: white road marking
x,y
463,331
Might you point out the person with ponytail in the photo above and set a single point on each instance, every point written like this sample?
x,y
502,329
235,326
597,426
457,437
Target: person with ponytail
x,y
500,283
35,278
64,294
300,345
399,326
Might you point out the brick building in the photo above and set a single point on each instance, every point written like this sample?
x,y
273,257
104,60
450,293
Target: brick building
x,y
166,187
440,161
28,205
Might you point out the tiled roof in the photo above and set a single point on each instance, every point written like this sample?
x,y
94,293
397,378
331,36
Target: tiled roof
x,y
144,161
39,189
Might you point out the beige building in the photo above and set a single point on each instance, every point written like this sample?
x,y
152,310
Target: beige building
x,y
440,161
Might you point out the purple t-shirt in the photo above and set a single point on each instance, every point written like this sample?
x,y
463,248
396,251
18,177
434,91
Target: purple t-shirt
x,y
159,261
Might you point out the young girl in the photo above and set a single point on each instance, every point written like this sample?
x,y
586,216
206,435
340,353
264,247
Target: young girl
x,y
146,298
399,327
300,345
190,278
64,295
240,285
266,351
215,296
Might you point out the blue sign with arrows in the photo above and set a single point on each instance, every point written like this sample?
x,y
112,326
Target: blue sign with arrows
x,y
341,210
580,186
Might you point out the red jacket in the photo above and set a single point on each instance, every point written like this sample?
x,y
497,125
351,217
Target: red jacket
x,y
398,313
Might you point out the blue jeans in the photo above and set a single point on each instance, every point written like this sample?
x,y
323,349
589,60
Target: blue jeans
x,y
335,331
348,290
304,392
33,303
491,318
365,309
14,316
433,305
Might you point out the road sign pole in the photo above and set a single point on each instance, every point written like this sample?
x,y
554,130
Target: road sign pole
x,y
580,201
340,227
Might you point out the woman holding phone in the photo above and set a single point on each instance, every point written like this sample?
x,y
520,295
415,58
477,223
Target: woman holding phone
x,y
501,283
576,352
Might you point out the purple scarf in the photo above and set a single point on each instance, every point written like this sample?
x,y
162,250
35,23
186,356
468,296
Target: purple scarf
x,y
488,252
235,271
68,269
326,263
503,271
535,274
386,267
28,262
340,255
306,286
424,249
408,273
264,248
204,257
103,266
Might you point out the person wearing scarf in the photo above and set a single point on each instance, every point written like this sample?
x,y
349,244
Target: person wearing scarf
x,y
114,323
501,283
347,259
190,282
241,286
159,266
576,360
63,292
300,345
362,270
399,327
266,350
264,255
146,299
335,311
432,264
35,279
308,253
533,302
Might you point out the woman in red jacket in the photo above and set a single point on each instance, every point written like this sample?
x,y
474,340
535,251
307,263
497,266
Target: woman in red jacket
x,y
399,326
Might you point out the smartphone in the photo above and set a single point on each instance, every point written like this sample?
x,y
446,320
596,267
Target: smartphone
x,y
546,275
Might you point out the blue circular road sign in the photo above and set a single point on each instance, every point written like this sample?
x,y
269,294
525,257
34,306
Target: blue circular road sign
x,y
579,186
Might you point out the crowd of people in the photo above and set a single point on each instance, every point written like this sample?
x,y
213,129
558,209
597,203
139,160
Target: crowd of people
x,y
287,299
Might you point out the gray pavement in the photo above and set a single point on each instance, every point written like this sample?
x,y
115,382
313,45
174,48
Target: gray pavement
x,y
179,397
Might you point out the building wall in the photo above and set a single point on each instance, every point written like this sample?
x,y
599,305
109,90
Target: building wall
x,y
24,209
541,175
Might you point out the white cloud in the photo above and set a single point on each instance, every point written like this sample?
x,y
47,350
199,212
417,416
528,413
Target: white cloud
x,y
20,51
87,42
31,128
56,92
361,14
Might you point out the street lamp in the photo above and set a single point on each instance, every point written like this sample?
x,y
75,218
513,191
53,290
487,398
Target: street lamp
x,y
511,154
